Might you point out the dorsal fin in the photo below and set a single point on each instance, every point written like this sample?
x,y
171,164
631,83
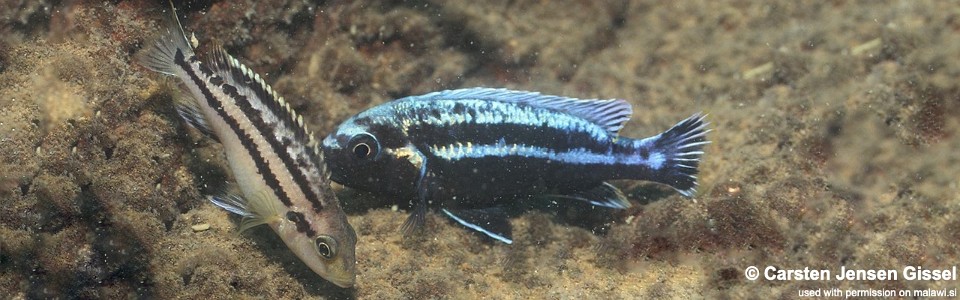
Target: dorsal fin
x,y
610,114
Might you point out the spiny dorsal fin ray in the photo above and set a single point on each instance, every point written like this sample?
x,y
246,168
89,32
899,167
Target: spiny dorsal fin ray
x,y
610,114
250,84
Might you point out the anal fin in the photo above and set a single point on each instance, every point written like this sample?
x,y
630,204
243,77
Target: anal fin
x,y
491,222
604,195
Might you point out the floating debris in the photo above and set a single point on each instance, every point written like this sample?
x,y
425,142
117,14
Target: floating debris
x,y
762,69
872,44
200,227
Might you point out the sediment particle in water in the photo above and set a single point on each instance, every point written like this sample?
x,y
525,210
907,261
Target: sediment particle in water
x,y
200,227
865,47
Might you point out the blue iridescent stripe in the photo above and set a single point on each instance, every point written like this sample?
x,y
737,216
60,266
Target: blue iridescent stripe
x,y
577,156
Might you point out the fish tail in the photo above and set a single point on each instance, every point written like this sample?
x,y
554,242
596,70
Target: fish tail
x,y
159,56
673,157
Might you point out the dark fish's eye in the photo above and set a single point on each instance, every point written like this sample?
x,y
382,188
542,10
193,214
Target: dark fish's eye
x,y
364,146
361,150
326,246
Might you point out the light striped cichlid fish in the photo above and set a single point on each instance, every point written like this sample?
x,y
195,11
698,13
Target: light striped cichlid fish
x,y
470,151
275,159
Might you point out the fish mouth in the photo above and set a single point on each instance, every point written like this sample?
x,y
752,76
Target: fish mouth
x,y
336,176
343,281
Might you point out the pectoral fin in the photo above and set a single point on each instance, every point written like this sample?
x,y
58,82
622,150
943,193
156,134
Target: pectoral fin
x,y
415,220
255,212
418,217
189,111
492,222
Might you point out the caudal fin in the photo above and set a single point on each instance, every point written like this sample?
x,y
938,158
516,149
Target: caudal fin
x,y
682,147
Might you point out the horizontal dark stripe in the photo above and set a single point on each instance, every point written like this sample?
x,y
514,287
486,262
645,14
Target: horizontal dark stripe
x,y
279,144
486,179
245,140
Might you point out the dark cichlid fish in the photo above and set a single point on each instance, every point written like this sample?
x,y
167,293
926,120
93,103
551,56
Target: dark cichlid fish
x,y
469,151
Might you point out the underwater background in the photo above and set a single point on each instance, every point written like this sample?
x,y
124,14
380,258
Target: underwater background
x,y
834,144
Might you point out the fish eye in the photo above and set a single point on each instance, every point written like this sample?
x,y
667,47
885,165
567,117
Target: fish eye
x,y
364,146
361,150
326,246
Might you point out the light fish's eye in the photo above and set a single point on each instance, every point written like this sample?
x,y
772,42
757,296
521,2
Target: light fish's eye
x,y
364,146
326,246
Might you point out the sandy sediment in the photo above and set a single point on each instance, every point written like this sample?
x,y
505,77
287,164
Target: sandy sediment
x,y
834,144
